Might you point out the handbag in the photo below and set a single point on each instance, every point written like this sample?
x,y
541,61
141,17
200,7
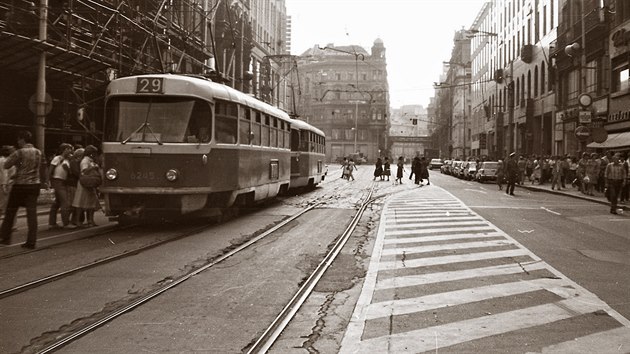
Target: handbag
x,y
91,178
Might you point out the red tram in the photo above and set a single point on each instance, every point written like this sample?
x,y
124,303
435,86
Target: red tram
x,y
176,144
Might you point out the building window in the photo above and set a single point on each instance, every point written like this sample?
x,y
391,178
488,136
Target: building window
x,y
536,81
542,77
573,85
591,76
621,77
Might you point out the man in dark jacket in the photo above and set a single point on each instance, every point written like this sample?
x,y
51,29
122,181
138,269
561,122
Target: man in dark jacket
x,y
511,173
28,163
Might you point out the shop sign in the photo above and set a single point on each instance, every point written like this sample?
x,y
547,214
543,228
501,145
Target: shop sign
x,y
620,38
585,117
619,116
561,115
619,41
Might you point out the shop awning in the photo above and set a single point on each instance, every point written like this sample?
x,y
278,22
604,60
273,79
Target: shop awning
x,y
614,141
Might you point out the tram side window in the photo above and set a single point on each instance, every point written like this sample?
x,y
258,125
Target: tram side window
x,y
256,129
226,122
264,135
287,134
280,133
303,140
245,125
273,132
295,140
200,126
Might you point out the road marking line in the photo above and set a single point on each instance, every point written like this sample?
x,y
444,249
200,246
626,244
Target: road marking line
x,y
458,297
394,241
432,261
436,230
467,330
423,279
447,246
551,211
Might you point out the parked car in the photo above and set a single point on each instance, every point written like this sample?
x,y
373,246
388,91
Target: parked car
x,y
455,168
446,167
435,163
470,170
487,171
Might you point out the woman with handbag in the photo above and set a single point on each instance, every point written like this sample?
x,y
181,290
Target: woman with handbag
x,y
86,195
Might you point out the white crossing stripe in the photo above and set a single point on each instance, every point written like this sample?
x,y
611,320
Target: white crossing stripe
x,y
408,221
449,334
395,241
422,279
429,261
612,341
448,246
458,297
405,220
445,229
433,224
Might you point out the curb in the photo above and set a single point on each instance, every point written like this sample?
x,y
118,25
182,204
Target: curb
x,y
576,196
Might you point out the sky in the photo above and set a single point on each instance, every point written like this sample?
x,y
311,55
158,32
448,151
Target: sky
x,y
417,34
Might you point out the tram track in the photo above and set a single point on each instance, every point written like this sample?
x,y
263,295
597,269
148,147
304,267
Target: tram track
x,y
273,331
100,262
51,342
109,315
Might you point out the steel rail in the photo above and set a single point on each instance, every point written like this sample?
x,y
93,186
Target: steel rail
x,y
271,334
60,342
50,278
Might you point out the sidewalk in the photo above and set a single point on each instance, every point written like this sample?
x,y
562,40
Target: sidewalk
x,y
572,192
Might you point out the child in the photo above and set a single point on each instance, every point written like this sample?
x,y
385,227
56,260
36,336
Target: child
x,y
399,172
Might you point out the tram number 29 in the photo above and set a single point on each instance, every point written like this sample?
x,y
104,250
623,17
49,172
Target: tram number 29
x,y
139,175
150,85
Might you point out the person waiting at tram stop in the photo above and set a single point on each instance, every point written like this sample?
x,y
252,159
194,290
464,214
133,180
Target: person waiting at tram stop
x,y
58,174
86,197
28,162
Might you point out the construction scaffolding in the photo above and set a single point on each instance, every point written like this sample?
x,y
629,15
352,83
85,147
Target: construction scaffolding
x,y
87,44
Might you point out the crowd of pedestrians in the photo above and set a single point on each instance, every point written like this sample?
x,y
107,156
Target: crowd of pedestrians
x,y
382,169
608,173
73,174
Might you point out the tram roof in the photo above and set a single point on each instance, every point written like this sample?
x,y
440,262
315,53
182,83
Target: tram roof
x,y
302,125
195,86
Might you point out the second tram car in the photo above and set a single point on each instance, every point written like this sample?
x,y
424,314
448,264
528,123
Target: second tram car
x,y
307,155
175,144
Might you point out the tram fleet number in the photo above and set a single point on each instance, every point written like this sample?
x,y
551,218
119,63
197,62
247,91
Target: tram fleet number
x,y
136,176
150,85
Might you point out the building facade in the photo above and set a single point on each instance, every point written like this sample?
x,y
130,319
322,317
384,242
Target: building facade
x,y
58,56
548,77
343,91
409,132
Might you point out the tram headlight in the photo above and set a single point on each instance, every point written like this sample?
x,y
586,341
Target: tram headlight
x,y
172,175
111,174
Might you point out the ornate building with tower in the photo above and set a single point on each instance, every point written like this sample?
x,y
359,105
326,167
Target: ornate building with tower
x,y
343,91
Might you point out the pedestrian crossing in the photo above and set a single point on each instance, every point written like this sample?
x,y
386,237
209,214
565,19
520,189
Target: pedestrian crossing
x,y
443,279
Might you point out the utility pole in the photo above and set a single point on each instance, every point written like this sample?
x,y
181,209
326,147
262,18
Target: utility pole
x,y
40,101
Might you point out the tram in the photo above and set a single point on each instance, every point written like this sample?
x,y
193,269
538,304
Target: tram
x,y
308,146
176,144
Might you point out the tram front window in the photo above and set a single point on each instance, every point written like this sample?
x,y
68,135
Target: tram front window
x,y
168,120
